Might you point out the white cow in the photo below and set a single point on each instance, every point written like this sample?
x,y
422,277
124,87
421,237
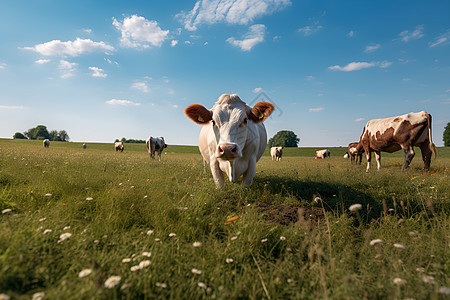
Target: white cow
x,y
276,152
46,143
233,137
155,144
322,154
119,146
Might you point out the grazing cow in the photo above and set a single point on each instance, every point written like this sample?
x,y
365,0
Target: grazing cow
x,y
119,146
322,154
233,137
353,153
155,144
46,143
395,133
276,152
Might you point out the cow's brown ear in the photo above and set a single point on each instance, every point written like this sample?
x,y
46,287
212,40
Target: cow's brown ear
x,y
261,111
198,113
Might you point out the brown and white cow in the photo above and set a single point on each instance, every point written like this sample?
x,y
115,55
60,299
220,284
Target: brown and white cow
x,y
395,133
233,137
322,154
155,144
276,152
353,153
119,146
46,143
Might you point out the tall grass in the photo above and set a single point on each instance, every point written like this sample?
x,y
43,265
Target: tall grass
x,y
138,202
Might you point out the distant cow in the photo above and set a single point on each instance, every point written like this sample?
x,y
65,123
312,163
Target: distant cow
x,y
322,154
395,133
84,146
276,152
46,143
233,137
353,153
119,146
155,144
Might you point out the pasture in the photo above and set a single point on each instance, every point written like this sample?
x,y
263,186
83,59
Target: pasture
x,y
169,234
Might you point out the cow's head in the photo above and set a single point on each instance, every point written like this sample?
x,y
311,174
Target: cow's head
x,y
229,119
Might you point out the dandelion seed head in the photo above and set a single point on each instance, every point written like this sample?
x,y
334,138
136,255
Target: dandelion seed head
x,y
374,242
355,207
112,281
84,273
197,244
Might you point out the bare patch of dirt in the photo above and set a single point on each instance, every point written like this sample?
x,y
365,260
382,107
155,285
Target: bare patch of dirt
x,y
285,214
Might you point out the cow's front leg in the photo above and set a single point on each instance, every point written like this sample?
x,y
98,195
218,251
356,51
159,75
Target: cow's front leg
x,y
250,173
378,159
217,174
369,158
409,155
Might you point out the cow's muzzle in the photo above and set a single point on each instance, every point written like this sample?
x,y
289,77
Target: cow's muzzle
x,y
228,151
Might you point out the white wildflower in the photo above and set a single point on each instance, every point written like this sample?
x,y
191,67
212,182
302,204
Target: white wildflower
x,y
399,281
375,241
135,268
48,195
421,269
7,210
444,290
290,280
47,231
234,238
150,232
428,279
399,246
64,236
157,240
40,227
202,285
172,234
67,227
229,260
84,273
317,200
355,207
112,281
283,238
126,260
161,285
4,297
38,296
145,196
147,254
42,219
96,241
89,198
196,271
263,240
413,233
197,244
144,263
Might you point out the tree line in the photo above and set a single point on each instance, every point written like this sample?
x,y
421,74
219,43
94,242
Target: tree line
x,y
132,141
41,132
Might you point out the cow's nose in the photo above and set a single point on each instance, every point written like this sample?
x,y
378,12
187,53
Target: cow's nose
x,y
228,151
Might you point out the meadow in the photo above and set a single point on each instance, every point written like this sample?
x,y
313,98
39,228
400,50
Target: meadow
x,y
72,218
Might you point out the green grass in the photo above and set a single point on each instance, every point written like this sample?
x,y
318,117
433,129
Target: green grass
x,y
324,256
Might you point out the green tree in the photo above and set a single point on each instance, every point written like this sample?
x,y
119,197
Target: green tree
x,y
63,136
19,135
39,132
284,138
446,137
53,135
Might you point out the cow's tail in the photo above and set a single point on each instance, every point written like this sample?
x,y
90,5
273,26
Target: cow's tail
x,y
432,145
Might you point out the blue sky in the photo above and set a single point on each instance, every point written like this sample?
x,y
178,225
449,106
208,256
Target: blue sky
x,y
103,70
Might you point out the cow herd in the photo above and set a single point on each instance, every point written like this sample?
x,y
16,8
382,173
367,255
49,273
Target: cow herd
x,y
233,138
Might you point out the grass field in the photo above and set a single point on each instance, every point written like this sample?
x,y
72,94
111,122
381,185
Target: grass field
x,y
290,235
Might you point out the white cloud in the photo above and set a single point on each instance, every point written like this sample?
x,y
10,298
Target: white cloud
x,y
111,61
97,72
42,61
171,92
174,106
187,42
359,120
71,48
141,86
316,109
67,68
122,102
2,66
308,30
254,36
372,48
229,11
355,66
416,34
138,32
205,43
87,30
442,39
173,43
257,90
351,33
11,107
406,79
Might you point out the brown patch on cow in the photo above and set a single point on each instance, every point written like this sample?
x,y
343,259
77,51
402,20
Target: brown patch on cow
x,y
261,111
285,214
397,119
198,113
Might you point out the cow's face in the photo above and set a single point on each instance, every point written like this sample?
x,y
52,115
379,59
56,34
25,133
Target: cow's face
x,y
229,122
